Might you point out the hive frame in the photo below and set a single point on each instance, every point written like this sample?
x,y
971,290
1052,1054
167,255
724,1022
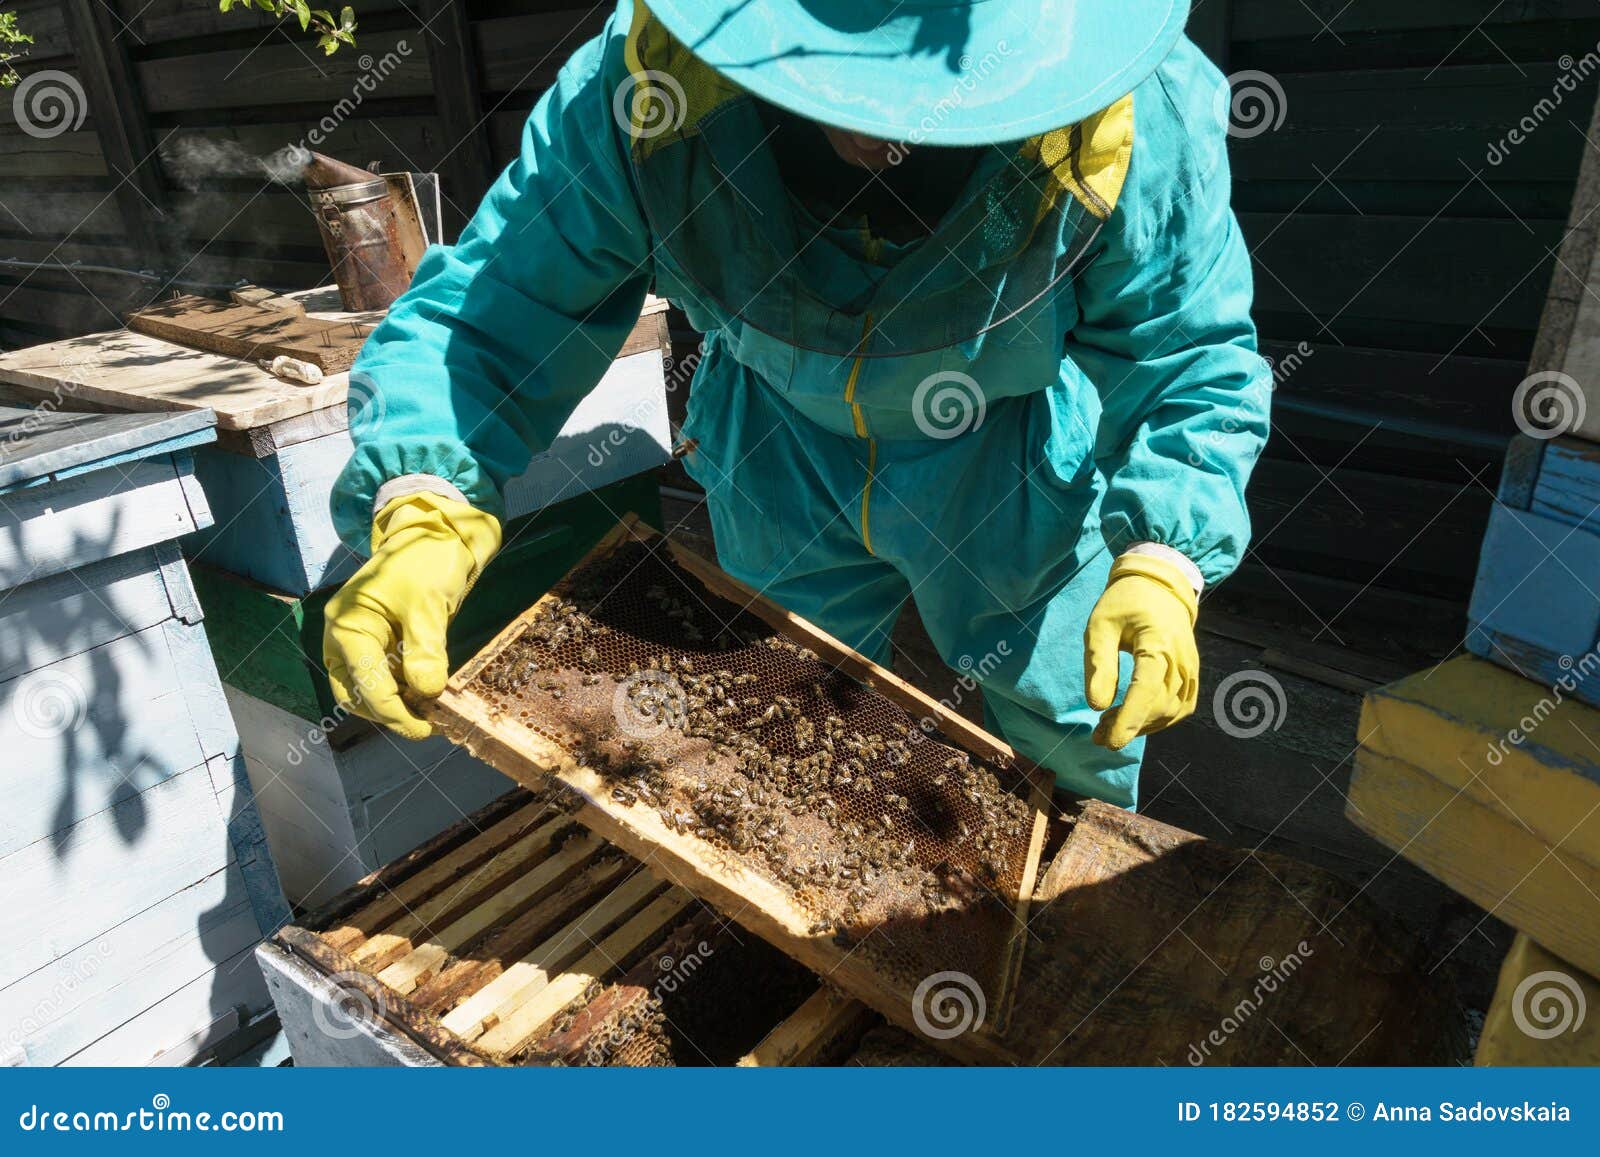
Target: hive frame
x,y
759,904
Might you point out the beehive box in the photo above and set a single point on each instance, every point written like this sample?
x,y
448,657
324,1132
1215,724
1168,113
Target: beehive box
x,y
828,807
136,868
1535,608
519,915
1143,938
281,445
339,797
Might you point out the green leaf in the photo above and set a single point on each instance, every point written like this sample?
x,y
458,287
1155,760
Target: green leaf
x,y
302,10
328,44
347,20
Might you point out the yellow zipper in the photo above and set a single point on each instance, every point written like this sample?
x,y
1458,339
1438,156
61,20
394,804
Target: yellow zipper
x,y
860,421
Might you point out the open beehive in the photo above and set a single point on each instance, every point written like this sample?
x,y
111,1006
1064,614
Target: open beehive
x,y
518,923
800,789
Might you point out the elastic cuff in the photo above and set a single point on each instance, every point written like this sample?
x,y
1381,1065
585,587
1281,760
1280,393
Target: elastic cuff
x,y
1169,554
414,484
1157,570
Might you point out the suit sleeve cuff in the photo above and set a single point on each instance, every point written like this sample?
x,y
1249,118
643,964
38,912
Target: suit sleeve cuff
x,y
1167,554
415,484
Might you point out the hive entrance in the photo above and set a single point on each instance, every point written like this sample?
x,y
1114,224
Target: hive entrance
x,y
696,718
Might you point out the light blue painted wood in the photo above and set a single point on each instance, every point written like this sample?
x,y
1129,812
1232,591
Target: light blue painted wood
x,y
1536,605
1568,485
273,525
332,816
96,729
62,893
61,1009
143,1039
70,612
247,834
429,799
39,444
45,530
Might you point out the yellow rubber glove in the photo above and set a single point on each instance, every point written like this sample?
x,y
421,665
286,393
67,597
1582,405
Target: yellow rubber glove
x,y
1147,608
392,615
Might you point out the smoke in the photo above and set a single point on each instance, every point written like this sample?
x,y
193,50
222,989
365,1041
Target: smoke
x,y
191,160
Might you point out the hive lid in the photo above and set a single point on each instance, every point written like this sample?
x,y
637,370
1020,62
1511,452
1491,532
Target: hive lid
x,y
38,443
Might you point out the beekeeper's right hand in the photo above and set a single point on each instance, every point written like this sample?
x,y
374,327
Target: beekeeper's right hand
x,y
385,628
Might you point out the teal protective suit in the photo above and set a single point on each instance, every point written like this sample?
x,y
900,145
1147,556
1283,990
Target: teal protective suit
x,y
862,440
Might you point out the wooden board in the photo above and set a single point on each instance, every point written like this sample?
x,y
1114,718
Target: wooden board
x,y
1497,863
1544,1011
1154,946
1501,741
123,370
754,900
252,332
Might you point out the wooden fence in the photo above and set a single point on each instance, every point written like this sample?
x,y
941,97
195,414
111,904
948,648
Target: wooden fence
x,y
1403,243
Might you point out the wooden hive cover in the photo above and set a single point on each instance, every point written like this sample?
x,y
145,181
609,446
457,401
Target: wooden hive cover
x,y
36,442
907,852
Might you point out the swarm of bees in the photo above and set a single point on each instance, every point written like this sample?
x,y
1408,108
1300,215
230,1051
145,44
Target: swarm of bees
x,y
774,748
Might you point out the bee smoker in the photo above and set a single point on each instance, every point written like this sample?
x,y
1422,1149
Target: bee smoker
x,y
363,230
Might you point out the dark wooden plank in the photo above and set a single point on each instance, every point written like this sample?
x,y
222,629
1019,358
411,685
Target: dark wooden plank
x,y
241,77
457,86
524,53
1452,272
1268,19
1417,124
1211,27
252,332
112,88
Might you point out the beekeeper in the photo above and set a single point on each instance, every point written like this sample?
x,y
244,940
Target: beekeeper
x,y
977,318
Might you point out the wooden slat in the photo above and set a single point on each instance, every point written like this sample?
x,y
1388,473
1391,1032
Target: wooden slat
x,y
252,332
392,901
419,965
488,958
379,951
457,88
802,1037
121,119
484,1008
520,1024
